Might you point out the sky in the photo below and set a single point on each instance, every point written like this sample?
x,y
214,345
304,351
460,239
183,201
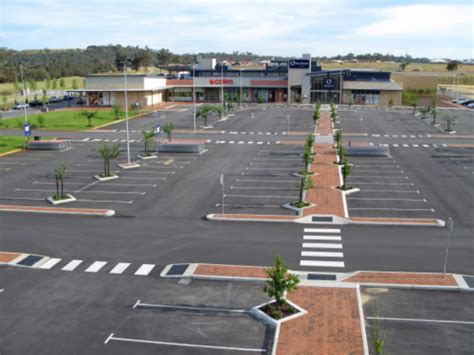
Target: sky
x,y
433,29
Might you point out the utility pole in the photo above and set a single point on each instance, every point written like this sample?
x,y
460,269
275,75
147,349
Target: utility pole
x,y
194,100
24,93
240,101
222,86
449,226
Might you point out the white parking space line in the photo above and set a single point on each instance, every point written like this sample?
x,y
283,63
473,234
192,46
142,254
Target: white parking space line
x,y
119,268
275,181
96,266
393,209
423,320
386,199
321,237
323,254
253,196
378,176
284,169
142,178
386,183
50,263
105,201
395,191
262,188
186,345
72,265
323,245
85,187
248,206
322,263
145,269
383,171
322,230
115,192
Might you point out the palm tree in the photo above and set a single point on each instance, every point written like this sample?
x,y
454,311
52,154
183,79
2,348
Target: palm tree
x,y
108,153
148,139
89,115
168,129
434,113
450,121
59,174
338,137
346,171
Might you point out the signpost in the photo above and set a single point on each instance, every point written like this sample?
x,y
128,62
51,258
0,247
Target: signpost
x,y
449,226
27,130
223,196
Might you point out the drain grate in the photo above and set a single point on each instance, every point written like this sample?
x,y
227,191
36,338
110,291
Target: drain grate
x,y
178,269
469,280
324,277
30,260
322,219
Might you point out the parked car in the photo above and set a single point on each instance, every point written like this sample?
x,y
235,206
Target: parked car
x,y
80,101
20,106
44,108
35,103
467,102
471,105
55,99
68,97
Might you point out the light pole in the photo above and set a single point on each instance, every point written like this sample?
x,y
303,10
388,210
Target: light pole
x,y
240,96
222,86
449,226
223,195
288,118
194,101
24,94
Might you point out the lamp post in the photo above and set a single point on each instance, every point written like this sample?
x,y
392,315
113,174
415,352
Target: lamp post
x,y
24,94
222,86
194,101
449,226
288,118
240,96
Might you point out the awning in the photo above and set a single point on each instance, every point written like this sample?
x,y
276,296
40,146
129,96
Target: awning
x,y
371,85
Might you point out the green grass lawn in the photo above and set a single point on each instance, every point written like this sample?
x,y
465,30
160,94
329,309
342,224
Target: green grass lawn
x,y
8,143
65,120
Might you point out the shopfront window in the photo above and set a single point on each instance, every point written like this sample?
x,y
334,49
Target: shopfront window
x,y
365,97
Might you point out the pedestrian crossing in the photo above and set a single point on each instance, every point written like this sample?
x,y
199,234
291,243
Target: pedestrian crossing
x,y
322,247
412,145
97,266
261,133
401,135
212,141
327,139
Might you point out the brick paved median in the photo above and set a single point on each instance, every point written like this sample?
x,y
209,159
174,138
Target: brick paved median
x,y
332,325
256,216
231,271
403,278
56,210
7,257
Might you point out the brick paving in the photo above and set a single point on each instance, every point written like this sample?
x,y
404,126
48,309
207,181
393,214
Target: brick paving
x,y
6,257
332,325
256,216
13,208
231,271
327,199
403,278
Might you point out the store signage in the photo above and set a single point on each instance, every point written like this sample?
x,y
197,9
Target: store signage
x,y
299,63
220,81
329,84
27,129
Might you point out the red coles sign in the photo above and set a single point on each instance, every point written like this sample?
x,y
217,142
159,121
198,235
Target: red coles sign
x,y
220,82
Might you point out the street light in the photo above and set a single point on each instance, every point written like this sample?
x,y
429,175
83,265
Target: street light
x,y
24,94
240,96
449,226
288,118
222,86
194,101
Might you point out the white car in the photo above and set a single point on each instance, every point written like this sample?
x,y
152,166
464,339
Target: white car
x,y
471,105
20,106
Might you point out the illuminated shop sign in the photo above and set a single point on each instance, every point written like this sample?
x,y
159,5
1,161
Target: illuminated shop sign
x,y
299,63
220,81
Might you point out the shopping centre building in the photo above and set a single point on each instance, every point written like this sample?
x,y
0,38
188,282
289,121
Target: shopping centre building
x,y
281,81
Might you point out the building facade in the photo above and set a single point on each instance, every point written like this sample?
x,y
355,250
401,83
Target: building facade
x,y
282,81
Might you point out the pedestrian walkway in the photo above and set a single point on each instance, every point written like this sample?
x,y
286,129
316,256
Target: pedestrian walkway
x,y
322,247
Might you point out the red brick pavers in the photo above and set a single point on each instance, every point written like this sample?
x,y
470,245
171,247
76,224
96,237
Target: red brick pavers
x,y
7,257
231,271
403,278
256,216
13,208
332,325
327,199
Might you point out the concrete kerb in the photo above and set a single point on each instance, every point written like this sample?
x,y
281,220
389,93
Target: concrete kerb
x,y
188,273
57,211
11,152
362,321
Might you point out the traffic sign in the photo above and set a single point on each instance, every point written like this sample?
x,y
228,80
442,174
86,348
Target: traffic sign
x,y
27,129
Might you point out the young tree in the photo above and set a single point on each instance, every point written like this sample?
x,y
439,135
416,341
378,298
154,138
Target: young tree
x,y
305,183
450,122
280,282
89,115
168,129
117,110
338,137
148,140
74,84
59,175
346,171
62,83
316,115
41,121
342,152
434,114
55,84
108,153
424,111
309,141
307,159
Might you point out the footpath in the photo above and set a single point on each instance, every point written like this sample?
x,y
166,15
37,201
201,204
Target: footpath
x,y
334,322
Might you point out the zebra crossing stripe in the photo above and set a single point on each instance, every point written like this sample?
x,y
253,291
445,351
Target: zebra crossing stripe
x,y
322,254
50,263
144,270
323,245
96,266
320,237
322,263
119,268
322,230
72,265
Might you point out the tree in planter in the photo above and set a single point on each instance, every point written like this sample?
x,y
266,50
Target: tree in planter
x,y
338,137
415,105
89,115
168,129
148,139
434,114
204,112
307,159
280,282
117,111
342,152
346,171
316,115
309,141
59,175
108,153
305,183
450,121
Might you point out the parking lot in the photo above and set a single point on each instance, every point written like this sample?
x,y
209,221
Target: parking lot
x,y
420,322
266,182
386,190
